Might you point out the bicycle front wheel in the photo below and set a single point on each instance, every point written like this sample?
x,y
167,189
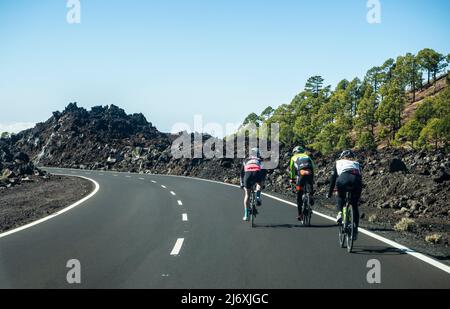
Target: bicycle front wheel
x,y
342,235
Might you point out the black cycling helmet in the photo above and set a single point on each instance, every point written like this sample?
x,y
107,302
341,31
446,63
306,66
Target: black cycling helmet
x,y
298,149
347,154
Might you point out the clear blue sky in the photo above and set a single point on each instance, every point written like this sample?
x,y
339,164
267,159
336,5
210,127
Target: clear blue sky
x,y
172,59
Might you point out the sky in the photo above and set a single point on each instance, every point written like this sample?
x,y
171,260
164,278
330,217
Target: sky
x,y
174,59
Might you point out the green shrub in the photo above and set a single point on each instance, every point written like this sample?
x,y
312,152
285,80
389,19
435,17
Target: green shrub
x,y
405,225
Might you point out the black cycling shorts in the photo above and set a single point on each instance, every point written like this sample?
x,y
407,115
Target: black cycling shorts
x,y
251,178
302,181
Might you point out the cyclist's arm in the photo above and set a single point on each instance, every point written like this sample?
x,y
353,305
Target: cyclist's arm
x,y
313,165
242,174
333,180
292,172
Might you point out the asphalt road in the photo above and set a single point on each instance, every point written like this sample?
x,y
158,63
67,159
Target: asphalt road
x,y
135,233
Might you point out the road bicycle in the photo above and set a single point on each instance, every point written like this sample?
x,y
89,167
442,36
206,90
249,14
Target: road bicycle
x,y
305,200
251,211
347,225
306,206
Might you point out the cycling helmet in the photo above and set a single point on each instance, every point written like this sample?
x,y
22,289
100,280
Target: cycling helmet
x,y
347,154
298,149
254,152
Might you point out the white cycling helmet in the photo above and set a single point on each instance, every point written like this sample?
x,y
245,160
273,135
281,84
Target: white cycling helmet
x,y
254,152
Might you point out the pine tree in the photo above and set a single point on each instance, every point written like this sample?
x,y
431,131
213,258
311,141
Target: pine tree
x,y
390,110
432,61
314,85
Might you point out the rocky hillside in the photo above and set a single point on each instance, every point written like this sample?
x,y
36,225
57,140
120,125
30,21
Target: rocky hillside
x,y
15,166
102,138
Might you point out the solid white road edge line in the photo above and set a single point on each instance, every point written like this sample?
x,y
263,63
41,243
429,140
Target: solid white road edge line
x,y
176,249
97,187
404,249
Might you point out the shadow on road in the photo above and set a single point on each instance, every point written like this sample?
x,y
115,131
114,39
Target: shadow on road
x,y
290,226
377,250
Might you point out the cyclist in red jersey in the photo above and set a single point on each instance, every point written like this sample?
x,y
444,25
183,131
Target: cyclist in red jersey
x,y
252,173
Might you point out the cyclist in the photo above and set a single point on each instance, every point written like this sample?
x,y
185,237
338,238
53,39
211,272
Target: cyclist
x,y
301,173
252,173
347,178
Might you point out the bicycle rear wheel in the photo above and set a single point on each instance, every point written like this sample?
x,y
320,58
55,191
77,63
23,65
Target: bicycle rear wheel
x,y
306,213
306,207
252,209
350,229
309,216
252,218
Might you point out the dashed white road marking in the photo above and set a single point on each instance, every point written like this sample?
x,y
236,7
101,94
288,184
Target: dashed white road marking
x,y
141,178
179,202
176,249
404,249
163,186
173,193
115,175
102,174
185,218
153,181
128,176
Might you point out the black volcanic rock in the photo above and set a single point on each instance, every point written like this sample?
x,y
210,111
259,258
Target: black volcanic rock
x,y
397,165
14,168
104,137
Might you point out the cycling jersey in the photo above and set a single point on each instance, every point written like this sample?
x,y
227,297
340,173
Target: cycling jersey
x,y
252,172
343,166
299,162
341,169
253,165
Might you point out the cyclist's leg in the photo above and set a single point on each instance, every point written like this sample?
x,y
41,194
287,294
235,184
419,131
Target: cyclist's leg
x,y
300,203
259,186
299,186
356,195
246,198
341,185
248,183
311,189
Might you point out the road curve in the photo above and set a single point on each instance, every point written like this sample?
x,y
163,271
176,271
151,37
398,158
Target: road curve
x,y
151,231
